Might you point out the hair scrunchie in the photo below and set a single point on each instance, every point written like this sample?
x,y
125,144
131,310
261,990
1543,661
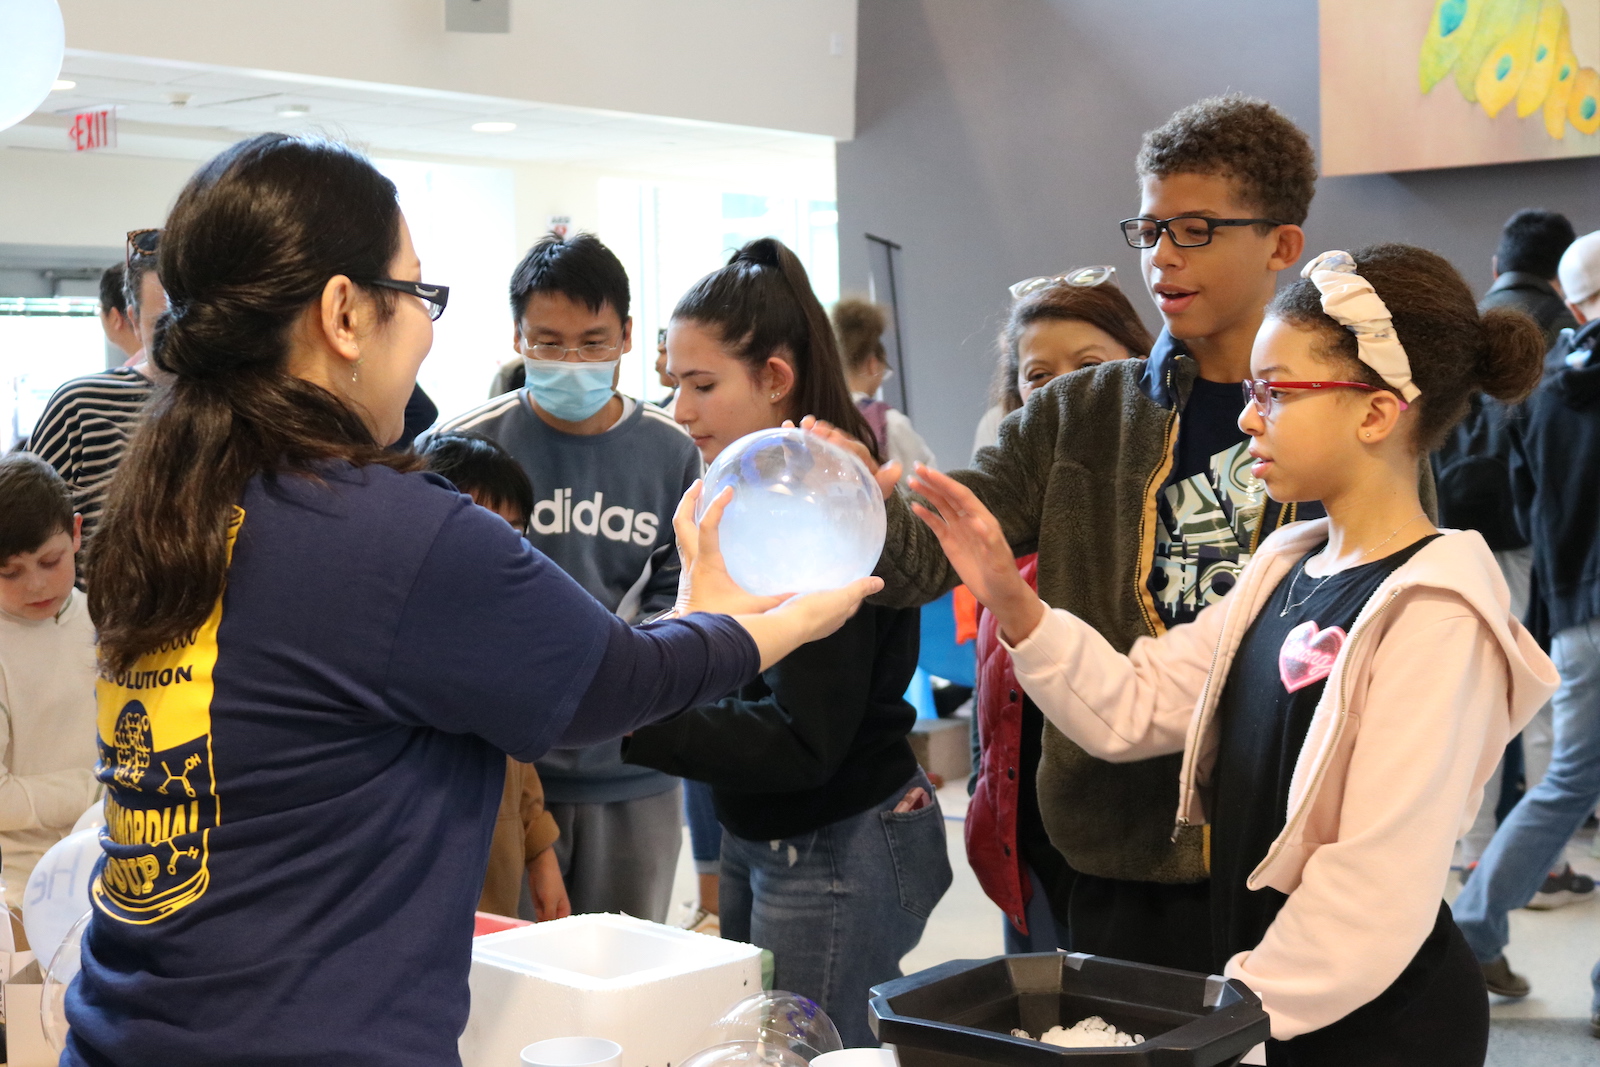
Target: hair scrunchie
x,y
1350,300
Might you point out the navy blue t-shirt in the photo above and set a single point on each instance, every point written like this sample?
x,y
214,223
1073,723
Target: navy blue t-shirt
x,y
1208,507
300,794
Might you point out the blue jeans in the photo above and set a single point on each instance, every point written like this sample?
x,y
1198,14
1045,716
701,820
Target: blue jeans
x,y
705,833
1531,841
838,907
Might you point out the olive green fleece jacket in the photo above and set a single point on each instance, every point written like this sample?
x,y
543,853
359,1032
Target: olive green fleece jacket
x,y
1075,477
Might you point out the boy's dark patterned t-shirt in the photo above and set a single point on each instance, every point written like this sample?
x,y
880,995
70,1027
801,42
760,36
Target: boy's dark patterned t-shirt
x,y
1208,509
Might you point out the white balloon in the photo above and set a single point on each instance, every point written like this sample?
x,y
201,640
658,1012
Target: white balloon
x,y
94,815
58,891
805,514
32,42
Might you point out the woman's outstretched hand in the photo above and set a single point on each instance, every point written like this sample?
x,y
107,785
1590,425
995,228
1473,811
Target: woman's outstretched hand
x,y
976,547
886,476
778,624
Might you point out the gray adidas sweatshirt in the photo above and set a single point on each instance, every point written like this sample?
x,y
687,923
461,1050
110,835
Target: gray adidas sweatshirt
x,y
602,511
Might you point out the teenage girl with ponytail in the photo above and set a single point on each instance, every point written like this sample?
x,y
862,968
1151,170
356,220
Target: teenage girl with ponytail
x,y
834,850
1341,708
315,658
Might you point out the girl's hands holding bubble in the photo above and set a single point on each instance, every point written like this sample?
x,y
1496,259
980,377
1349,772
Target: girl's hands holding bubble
x,y
703,583
778,624
976,547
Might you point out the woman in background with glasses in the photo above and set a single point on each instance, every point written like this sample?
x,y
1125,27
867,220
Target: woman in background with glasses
x,y
315,658
1057,325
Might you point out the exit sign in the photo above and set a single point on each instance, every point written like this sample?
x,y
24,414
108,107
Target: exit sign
x,y
93,129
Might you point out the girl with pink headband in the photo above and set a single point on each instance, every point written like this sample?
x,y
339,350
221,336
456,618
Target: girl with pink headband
x,y
1340,710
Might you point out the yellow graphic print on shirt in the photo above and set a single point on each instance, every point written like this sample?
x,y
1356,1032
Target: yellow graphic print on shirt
x,y
161,786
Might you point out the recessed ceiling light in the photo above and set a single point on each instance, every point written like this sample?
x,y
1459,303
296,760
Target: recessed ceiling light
x,y
493,127
294,111
179,99
62,85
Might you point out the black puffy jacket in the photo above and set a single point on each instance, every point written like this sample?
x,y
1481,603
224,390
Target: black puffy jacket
x,y
1556,478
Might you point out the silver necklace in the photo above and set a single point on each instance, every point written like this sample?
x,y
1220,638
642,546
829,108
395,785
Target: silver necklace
x,y
1321,581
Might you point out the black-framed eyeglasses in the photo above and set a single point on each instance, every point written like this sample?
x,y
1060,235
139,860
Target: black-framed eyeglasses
x,y
434,296
1186,231
141,244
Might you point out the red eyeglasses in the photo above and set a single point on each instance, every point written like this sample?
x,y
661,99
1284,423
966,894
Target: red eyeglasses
x,y
1264,394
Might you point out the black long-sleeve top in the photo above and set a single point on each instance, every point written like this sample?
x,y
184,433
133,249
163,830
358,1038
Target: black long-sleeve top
x,y
818,737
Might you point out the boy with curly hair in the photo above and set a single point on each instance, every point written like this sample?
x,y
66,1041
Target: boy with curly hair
x,y
1130,479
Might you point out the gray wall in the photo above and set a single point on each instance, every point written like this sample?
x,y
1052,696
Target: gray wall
x,y
996,141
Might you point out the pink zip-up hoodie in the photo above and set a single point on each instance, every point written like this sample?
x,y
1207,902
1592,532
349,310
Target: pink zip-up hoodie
x,y
1434,678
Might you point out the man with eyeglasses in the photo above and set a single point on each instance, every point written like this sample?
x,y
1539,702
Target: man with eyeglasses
x,y
607,473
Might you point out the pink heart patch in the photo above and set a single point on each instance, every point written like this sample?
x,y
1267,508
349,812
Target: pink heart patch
x,y
1307,655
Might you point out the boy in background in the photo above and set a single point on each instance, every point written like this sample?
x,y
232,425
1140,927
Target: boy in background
x,y
521,853
47,670
610,472
1131,480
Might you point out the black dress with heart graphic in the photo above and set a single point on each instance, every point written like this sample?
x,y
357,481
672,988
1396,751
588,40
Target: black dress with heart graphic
x,y
1265,712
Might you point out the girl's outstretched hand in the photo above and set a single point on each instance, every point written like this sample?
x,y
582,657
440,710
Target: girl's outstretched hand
x,y
976,547
886,476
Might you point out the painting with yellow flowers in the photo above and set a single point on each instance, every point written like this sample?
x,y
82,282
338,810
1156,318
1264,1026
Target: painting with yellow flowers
x,y
1416,84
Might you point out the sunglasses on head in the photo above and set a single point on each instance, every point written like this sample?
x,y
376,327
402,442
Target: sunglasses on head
x,y
1081,278
142,244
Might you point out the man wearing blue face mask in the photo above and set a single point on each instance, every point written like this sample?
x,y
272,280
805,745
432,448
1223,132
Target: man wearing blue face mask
x,y
607,473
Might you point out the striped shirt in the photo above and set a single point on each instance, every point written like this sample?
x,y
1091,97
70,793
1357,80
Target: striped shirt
x,y
84,431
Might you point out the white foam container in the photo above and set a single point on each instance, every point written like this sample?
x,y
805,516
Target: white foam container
x,y
652,989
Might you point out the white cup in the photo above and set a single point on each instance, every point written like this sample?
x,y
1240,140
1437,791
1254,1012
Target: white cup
x,y
573,1052
857,1057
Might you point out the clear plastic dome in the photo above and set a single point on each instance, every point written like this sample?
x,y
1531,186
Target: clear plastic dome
x,y
64,966
743,1054
785,1021
805,514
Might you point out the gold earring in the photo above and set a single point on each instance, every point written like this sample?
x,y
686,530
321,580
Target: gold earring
x,y
776,395
355,370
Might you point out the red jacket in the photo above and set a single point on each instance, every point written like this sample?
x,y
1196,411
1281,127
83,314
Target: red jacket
x,y
991,827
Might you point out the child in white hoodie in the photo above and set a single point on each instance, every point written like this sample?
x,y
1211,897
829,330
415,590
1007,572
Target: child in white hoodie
x,y
1341,708
47,670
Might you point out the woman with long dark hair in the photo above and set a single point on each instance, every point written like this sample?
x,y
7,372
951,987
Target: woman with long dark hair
x,y
1056,326
833,853
315,657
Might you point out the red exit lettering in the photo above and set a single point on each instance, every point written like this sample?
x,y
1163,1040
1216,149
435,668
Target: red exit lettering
x,y
93,129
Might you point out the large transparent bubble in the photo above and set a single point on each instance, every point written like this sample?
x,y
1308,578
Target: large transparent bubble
x,y
778,1020
64,967
805,514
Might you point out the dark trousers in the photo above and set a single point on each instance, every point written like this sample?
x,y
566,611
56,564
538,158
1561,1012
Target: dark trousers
x,y
1436,1014
1143,922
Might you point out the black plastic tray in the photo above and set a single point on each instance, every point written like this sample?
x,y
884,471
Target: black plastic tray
x,y
962,1013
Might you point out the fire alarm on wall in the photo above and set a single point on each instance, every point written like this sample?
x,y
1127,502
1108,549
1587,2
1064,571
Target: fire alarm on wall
x,y
477,16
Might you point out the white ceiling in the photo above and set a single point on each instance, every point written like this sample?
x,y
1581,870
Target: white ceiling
x,y
223,104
